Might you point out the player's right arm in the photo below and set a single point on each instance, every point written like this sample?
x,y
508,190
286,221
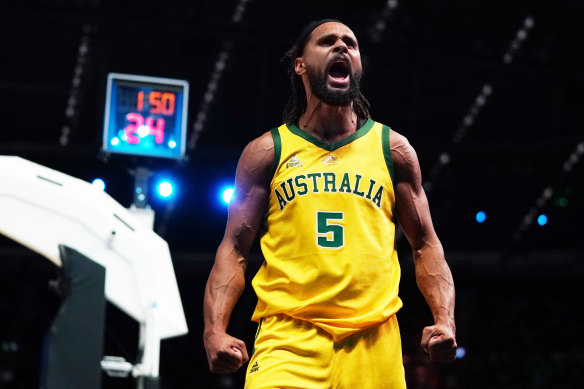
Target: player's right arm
x,y
225,353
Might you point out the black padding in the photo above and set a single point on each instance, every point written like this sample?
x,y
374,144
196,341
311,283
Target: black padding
x,y
74,343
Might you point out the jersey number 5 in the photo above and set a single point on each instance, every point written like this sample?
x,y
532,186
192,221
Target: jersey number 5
x,y
329,233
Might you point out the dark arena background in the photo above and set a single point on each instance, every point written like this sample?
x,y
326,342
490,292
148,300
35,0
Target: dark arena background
x,y
490,93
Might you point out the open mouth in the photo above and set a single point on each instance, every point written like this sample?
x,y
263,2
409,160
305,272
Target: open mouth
x,y
339,70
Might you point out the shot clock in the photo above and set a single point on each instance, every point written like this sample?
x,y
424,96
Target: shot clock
x,y
145,116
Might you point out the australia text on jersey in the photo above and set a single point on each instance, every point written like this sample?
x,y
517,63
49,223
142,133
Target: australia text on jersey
x,y
328,182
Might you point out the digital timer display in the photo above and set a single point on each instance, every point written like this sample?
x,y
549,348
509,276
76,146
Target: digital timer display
x,y
145,115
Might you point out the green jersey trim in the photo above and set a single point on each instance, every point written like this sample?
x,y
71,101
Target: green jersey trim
x,y
256,336
387,153
332,146
277,151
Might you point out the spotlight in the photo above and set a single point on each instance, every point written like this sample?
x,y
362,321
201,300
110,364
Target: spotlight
x,y
444,158
542,220
481,216
98,183
165,189
227,195
460,352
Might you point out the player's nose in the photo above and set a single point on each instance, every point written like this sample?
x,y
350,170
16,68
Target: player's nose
x,y
340,46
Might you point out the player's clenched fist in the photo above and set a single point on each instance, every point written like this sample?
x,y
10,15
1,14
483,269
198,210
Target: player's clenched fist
x,y
439,341
225,353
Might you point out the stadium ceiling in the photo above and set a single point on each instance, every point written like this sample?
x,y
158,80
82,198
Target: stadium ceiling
x,y
427,63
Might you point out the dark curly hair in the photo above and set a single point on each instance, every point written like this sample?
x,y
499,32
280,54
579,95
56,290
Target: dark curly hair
x,y
296,105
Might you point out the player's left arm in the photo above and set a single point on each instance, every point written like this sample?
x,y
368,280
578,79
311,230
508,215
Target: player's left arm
x,y
433,275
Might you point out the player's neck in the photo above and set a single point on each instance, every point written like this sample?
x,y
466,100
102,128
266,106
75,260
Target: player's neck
x,y
326,122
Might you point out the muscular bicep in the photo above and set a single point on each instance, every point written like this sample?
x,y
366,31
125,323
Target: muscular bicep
x,y
250,198
411,204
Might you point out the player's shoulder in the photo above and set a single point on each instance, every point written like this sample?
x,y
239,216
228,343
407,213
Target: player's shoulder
x,y
259,154
395,138
400,147
399,142
264,141
403,154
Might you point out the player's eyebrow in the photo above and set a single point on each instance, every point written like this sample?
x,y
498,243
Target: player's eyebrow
x,y
333,37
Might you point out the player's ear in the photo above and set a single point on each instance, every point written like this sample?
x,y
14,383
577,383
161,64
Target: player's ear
x,y
299,66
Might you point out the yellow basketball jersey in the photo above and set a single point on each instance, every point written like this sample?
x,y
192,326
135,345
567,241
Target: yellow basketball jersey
x,y
329,246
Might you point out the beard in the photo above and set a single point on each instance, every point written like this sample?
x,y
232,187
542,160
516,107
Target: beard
x,y
335,97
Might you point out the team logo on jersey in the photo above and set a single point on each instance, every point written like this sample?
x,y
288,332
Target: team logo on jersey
x,y
254,368
330,160
293,162
332,182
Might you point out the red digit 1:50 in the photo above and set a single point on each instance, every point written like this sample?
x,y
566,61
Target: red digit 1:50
x,y
160,103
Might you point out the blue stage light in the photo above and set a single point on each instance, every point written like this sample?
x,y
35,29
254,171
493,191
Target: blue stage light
x,y
98,183
165,189
481,216
227,195
542,219
460,352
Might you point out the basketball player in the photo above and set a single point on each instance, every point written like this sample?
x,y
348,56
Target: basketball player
x,y
326,189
